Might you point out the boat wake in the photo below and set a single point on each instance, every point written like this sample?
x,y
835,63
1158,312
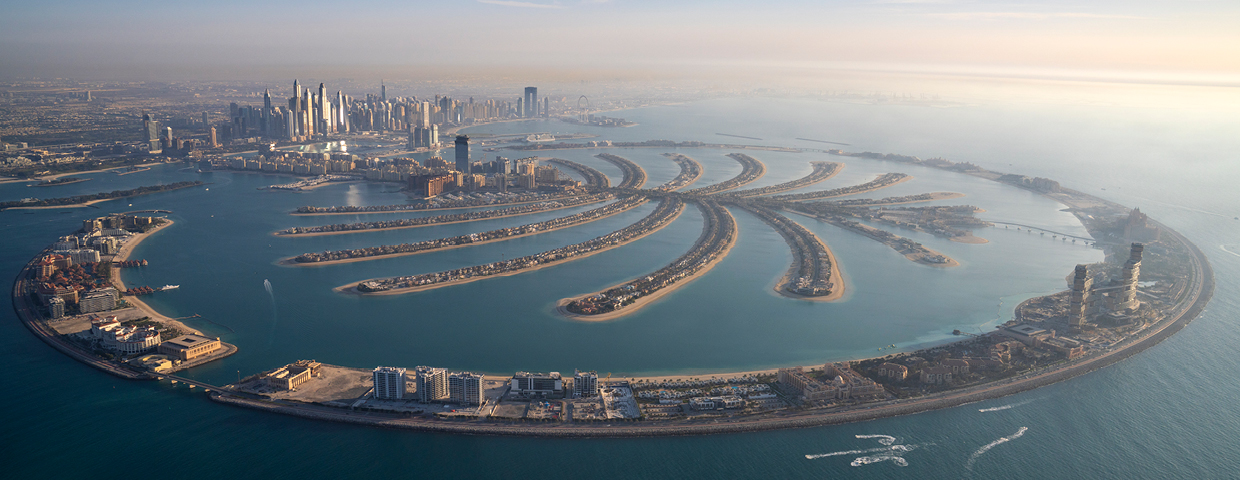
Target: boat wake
x,y
886,453
1232,249
275,315
881,458
882,439
988,446
1003,407
896,449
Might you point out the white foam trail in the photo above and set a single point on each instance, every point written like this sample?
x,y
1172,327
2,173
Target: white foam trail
x,y
1228,250
988,446
846,452
275,316
898,449
883,439
880,458
1003,407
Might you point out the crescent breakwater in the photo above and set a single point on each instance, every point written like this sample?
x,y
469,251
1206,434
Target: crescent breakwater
x,y
471,216
718,236
389,251
662,215
1189,300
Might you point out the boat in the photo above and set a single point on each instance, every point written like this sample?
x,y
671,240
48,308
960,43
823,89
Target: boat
x,y
169,287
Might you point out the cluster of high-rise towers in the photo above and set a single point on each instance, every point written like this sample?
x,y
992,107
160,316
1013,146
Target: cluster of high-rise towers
x,y
1119,296
316,112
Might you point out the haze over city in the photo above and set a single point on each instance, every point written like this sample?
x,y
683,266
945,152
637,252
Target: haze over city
x,y
620,239
1179,42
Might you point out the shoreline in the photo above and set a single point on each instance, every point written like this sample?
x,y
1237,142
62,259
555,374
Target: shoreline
x,y
561,305
71,182
1197,294
839,167
951,262
292,262
1203,291
71,205
969,239
934,196
868,190
836,274
122,255
320,234
351,288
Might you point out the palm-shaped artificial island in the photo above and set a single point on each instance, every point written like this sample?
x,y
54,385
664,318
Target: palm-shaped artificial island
x,y
814,273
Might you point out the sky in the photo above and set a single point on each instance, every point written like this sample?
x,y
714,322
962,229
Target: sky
x,y
1191,41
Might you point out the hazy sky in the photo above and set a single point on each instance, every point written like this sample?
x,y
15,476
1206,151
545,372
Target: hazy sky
x,y
230,38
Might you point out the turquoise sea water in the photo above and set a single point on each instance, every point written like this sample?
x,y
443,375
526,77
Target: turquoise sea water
x,y
1164,413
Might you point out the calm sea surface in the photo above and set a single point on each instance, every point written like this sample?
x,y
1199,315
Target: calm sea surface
x,y
1168,412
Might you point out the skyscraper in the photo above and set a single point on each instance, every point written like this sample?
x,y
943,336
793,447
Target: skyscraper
x,y
531,102
382,91
1125,298
1079,300
462,154
150,129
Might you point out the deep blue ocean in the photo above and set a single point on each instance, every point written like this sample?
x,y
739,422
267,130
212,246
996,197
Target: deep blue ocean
x,y
1166,413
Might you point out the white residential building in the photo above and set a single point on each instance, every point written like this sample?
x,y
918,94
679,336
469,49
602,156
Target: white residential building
x,y
465,388
389,383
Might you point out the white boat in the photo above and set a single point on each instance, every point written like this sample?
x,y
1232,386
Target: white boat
x,y
170,287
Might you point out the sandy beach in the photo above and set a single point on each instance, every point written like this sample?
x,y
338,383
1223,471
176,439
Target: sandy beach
x,y
318,234
951,262
292,262
648,299
352,287
836,276
973,239
123,254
